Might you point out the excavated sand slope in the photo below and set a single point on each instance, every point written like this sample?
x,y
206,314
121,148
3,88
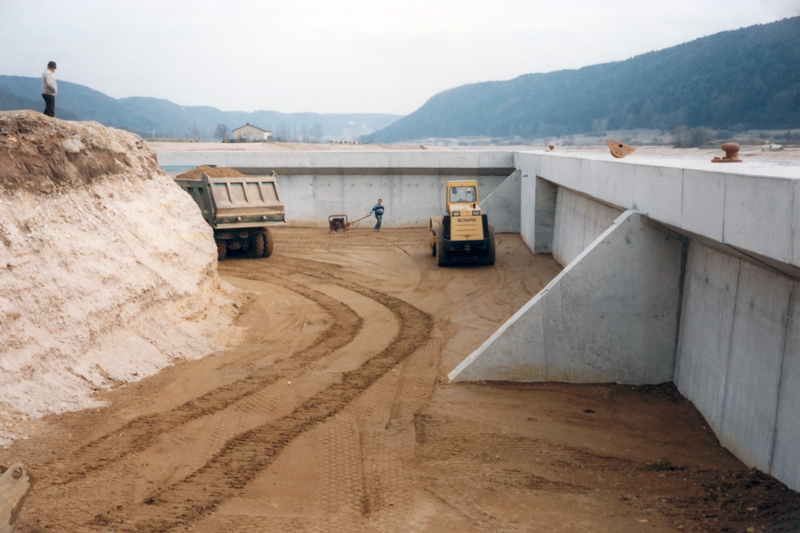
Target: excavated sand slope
x,y
108,272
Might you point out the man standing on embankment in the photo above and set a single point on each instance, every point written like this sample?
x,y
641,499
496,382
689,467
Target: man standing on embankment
x,y
49,89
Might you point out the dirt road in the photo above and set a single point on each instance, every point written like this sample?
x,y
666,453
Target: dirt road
x,y
329,412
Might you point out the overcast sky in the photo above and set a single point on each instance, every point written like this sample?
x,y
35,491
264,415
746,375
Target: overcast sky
x,y
341,56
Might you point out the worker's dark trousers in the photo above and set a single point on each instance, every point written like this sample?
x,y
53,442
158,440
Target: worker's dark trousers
x,y
378,225
49,105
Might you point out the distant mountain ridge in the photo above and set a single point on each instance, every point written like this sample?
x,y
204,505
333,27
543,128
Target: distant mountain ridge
x,y
162,118
747,78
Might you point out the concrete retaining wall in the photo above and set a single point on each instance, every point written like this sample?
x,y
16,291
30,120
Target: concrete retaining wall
x,y
409,200
610,316
315,185
786,447
578,222
738,357
502,205
738,354
540,220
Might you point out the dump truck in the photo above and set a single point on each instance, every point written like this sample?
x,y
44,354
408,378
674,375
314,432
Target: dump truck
x,y
463,234
239,208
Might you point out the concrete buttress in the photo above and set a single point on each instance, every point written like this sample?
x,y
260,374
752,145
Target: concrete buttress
x,y
610,316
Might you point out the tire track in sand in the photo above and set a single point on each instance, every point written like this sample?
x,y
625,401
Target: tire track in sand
x,y
229,472
143,431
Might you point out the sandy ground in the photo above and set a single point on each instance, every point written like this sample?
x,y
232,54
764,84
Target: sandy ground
x,y
329,411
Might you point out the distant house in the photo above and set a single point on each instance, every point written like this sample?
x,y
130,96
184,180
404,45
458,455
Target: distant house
x,y
250,133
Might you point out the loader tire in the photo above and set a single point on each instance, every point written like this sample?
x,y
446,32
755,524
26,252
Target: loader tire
x,y
435,226
441,256
222,249
489,260
269,244
257,245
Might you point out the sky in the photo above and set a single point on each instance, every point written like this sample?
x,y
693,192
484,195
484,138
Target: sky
x,y
341,56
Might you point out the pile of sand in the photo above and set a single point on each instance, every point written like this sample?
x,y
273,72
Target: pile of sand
x,y
212,172
108,272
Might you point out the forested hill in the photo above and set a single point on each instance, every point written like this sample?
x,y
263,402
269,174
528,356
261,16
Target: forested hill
x,y
747,78
162,118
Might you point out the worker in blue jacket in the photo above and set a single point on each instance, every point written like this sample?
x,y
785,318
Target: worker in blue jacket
x,y
378,210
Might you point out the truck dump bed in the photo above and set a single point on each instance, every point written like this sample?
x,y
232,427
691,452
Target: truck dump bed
x,y
239,208
237,202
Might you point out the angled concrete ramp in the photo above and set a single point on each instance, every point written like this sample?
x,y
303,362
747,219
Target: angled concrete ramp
x,y
610,316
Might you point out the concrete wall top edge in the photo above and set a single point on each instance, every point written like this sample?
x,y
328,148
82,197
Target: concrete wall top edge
x,y
450,172
462,159
749,205
345,159
764,169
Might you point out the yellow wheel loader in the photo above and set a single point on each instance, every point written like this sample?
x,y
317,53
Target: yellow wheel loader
x,y
463,235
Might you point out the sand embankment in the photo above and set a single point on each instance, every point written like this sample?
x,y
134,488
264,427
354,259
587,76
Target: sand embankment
x,y
108,272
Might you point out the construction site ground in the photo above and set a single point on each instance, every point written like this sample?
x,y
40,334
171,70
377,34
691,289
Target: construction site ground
x,y
330,411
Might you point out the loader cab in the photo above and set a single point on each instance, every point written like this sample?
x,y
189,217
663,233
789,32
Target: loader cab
x,y
466,223
463,234
463,194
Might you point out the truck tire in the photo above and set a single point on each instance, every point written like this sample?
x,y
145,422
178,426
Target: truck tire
x,y
489,260
257,245
441,256
222,249
433,246
269,244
